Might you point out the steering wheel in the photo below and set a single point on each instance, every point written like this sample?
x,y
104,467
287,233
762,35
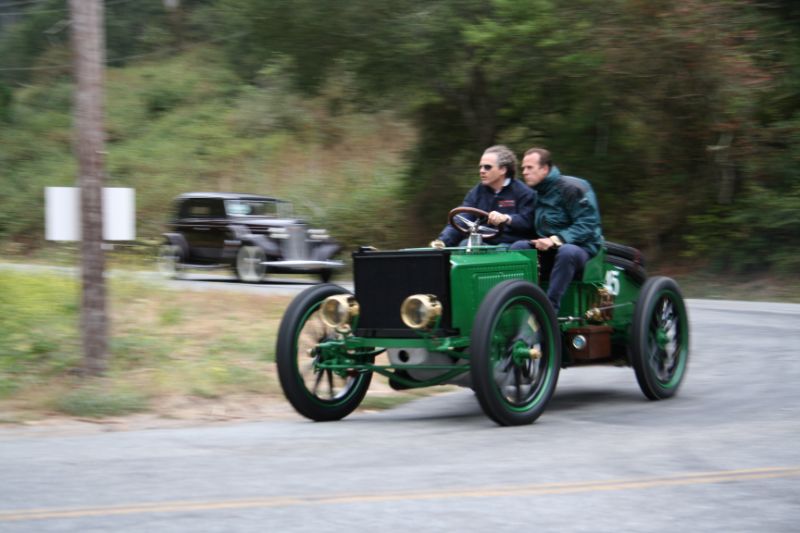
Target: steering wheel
x,y
466,226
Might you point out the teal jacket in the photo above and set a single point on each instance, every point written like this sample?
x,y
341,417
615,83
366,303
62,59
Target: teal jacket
x,y
567,207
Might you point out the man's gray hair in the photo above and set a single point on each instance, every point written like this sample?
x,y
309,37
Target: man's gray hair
x,y
505,158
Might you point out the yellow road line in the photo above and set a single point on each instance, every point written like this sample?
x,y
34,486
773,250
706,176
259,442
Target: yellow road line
x,y
177,506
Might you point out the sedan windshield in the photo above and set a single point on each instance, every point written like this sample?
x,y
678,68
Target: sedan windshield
x,y
257,208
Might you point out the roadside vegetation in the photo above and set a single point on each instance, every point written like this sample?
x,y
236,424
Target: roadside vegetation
x,y
170,351
186,123
162,344
369,115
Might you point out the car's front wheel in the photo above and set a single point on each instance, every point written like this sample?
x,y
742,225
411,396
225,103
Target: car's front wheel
x,y
249,264
316,392
660,338
515,352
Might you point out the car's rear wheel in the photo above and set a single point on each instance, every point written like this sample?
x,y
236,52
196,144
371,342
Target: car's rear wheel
x,y
170,258
316,393
660,338
249,264
515,352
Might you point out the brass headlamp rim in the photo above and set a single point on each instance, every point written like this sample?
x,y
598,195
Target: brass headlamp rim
x,y
347,302
430,306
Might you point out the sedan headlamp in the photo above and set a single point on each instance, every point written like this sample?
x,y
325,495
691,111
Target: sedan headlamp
x,y
339,311
420,311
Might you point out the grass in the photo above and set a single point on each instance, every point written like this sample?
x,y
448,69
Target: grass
x,y
166,347
96,401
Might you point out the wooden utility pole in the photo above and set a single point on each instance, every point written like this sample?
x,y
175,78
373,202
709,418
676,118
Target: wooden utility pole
x,y
88,43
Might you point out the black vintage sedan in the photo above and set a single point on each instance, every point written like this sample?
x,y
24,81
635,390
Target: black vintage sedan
x,y
253,234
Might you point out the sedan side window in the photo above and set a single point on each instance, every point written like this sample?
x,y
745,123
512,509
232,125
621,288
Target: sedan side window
x,y
202,208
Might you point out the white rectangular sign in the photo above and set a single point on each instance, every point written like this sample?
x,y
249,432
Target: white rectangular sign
x,y
62,214
61,219
119,214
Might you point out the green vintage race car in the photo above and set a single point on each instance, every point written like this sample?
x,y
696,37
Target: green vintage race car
x,y
477,316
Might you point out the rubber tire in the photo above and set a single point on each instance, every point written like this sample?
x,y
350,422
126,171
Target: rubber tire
x,y
636,272
651,293
248,253
174,254
482,366
625,252
303,401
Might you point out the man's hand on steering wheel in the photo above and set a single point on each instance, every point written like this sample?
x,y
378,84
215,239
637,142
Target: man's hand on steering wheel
x,y
464,225
496,218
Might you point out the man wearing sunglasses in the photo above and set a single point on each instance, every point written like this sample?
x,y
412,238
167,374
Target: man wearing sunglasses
x,y
567,220
509,202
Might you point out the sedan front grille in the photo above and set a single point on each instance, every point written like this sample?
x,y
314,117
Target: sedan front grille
x,y
295,247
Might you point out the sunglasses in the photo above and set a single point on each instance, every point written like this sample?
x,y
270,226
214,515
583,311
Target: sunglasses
x,y
485,167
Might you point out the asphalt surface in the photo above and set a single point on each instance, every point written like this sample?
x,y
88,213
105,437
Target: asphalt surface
x,y
723,455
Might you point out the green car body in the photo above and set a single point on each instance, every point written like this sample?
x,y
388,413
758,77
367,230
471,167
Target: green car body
x,y
493,329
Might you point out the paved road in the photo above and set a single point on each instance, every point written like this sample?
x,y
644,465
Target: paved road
x,y
273,284
721,456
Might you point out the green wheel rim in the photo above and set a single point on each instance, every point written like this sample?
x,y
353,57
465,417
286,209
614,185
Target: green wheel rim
x,y
520,382
325,387
667,340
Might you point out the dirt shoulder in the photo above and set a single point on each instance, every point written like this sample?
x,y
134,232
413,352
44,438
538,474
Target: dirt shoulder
x,y
174,412
189,411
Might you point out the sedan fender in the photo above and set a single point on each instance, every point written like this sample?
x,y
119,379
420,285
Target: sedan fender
x,y
270,247
177,239
325,251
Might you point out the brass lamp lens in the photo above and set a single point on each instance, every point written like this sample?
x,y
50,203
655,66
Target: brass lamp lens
x,y
339,310
420,311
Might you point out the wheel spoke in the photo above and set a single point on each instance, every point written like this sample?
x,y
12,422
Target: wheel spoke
x,y
331,389
515,353
317,381
319,376
502,372
468,223
517,379
308,368
659,345
668,346
663,341
322,383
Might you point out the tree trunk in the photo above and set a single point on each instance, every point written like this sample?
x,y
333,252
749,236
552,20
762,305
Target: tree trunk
x,y
89,57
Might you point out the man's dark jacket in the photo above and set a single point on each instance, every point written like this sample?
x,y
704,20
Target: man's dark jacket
x,y
567,207
515,199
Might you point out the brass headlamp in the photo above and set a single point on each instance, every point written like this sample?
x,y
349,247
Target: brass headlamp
x,y
420,311
339,311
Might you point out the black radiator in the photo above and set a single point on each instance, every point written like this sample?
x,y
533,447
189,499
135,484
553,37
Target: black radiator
x,y
384,279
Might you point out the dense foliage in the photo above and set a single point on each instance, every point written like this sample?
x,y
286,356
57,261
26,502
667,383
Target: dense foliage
x,y
685,114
